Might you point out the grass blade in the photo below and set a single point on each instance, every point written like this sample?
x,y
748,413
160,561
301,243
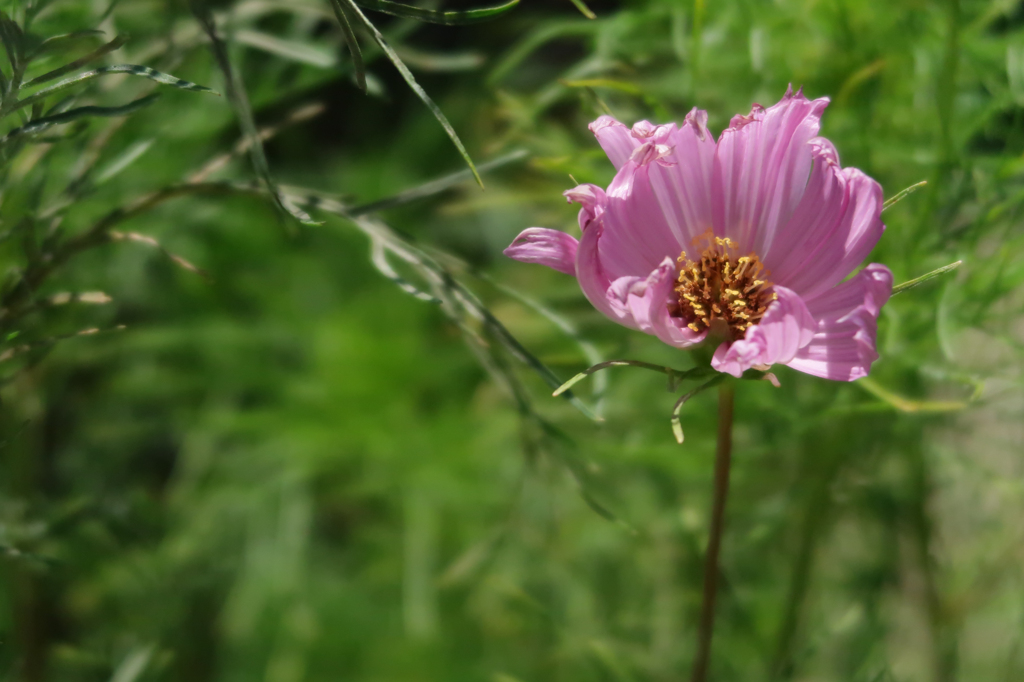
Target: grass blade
x,y
900,288
675,376
435,186
449,18
358,68
292,50
133,69
420,92
101,51
584,10
57,42
891,201
243,112
81,112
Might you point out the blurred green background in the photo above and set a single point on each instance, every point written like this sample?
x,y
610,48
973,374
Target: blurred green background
x,y
286,468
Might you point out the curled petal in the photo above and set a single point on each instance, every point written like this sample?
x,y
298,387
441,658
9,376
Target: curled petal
x,y
761,169
843,346
657,320
642,303
540,245
786,327
615,139
591,198
593,277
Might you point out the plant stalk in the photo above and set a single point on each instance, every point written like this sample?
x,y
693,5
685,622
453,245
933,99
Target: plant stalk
x,y
723,460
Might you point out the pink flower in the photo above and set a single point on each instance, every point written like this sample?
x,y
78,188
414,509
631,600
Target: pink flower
x,y
747,240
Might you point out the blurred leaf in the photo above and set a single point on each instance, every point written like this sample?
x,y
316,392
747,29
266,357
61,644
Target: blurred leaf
x,y
131,69
291,50
101,51
435,187
341,12
82,112
62,41
892,201
584,10
900,288
243,112
420,92
124,160
906,404
133,665
447,18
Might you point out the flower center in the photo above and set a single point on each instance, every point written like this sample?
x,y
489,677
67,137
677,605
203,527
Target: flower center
x,y
721,285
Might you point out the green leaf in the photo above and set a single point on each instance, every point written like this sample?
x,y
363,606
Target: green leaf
x,y
132,69
435,186
358,68
293,50
448,18
243,112
900,288
674,375
420,92
101,51
584,10
58,42
892,201
677,426
82,112
13,40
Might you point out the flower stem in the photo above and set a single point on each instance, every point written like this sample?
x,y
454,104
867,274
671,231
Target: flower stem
x,y
723,459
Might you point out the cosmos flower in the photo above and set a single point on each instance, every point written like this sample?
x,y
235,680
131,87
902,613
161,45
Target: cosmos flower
x,y
746,243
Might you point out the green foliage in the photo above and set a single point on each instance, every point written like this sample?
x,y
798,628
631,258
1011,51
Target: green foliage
x,y
231,451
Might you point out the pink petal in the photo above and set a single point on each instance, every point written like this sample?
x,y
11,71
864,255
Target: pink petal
x,y
642,303
843,347
786,327
659,199
820,263
593,277
816,217
681,182
615,139
547,247
761,170
657,320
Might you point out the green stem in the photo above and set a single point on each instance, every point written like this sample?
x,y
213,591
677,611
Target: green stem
x,y
723,460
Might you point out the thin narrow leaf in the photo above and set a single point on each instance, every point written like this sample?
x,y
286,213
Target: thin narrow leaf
x,y
379,257
292,50
677,427
243,112
13,40
101,51
352,42
448,18
57,42
420,92
906,404
127,158
436,186
133,665
582,7
900,288
513,345
903,195
132,69
675,376
82,112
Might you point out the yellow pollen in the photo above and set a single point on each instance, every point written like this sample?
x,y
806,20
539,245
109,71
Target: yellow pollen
x,y
721,285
